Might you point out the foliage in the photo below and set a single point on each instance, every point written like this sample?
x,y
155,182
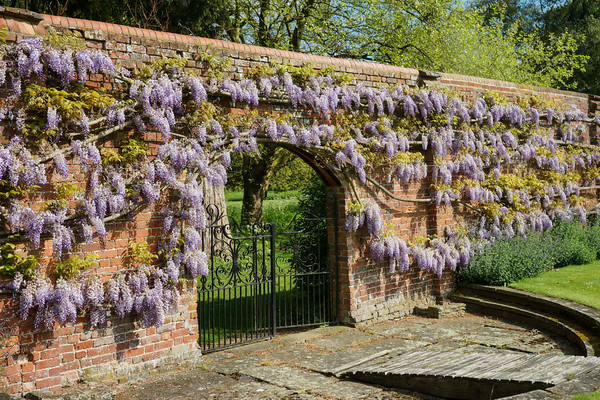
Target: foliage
x,y
278,208
64,39
11,262
312,203
579,283
290,176
572,243
571,25
510,260
313,197
466,42
139,253
506,261
520,41
73,266
581,17
588,396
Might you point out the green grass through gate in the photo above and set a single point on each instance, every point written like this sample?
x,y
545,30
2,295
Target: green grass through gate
x,y
278,207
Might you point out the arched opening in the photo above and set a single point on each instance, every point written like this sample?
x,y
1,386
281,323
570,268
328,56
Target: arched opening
x,y
277,273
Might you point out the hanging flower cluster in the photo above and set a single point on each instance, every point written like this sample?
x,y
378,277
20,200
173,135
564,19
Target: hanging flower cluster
x,y
490,155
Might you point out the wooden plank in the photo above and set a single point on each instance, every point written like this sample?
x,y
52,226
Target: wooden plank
x,y
356,363
407,360
493,369
516,372
502,373
465,366
515,364
517,367
471,370
567,368
442,367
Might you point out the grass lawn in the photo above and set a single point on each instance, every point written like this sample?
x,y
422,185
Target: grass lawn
x,y
278,207
579,283
589,396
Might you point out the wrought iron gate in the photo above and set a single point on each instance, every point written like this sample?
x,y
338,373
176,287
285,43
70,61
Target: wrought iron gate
x,y
261,279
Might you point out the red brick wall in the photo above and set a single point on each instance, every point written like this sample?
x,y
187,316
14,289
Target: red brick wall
x,y
368,292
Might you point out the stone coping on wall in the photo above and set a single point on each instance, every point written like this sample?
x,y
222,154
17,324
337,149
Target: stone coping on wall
x,y
23,22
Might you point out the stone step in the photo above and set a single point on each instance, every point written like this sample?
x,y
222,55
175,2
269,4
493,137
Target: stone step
x,y
578,323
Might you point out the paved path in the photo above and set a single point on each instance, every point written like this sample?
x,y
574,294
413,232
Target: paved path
x,y
296,365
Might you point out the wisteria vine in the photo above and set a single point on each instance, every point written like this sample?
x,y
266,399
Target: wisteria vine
x,y
516,166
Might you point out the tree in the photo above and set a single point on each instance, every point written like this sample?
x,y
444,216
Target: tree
x,y
581,17
558,25
258,171
447,37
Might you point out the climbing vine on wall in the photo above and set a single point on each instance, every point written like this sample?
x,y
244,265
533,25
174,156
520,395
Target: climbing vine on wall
x,y
517,167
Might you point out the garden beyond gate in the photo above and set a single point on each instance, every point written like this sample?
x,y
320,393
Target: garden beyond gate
x,y
262,279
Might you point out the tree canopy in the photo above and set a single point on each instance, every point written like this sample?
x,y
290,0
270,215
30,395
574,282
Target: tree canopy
x,y
575,20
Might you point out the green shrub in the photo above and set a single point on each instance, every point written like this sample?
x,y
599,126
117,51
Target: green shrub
x,y
313,197
313,247
593,234
571,243
506,261
509,260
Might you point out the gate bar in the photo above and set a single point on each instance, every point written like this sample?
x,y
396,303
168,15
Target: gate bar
x,y
273,283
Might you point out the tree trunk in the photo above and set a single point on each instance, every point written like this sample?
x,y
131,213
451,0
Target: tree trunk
x,y
214,197
257,174
215,240
301,25
263,17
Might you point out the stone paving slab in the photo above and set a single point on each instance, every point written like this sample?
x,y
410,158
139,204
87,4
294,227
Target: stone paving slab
x,y
253,347
257,390
289,377
534,395
195,383
347,390
341,341
390,329
571,389
448,345
478,348
300,355
496,323
313,334
430,334
236,365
